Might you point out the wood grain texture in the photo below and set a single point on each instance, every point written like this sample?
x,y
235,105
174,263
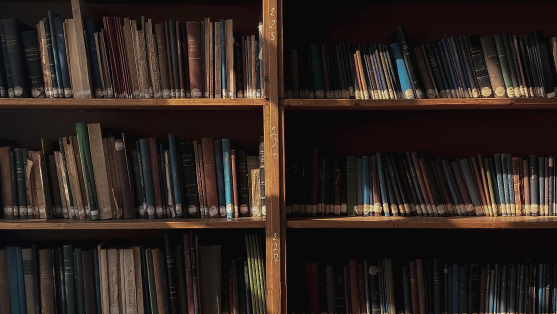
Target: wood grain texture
x,y
521,222
129,104
131,224
420,104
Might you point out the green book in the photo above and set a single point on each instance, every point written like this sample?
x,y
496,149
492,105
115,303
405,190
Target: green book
x,y
21,188
69,279
151,281
87,166
79,287
351,186
27,258
138,184
174,55
504,65
15,194
251,274
147,177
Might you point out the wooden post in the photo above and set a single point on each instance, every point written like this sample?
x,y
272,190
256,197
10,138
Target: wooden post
x,y
275,229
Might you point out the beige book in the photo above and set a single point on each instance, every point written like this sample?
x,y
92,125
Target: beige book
x,y
115,179
252,163
113,284
104,283
255,196
42,210
129,281
99,170
159,283
79,167
30,186
111,194
81,49
79,210
129,46
138,279
153,61
231,79
73,60
218,65
101,66
44,61
122,282
62,183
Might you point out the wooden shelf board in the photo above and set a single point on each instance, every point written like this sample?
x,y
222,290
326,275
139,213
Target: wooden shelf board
x,y
522,222
420,104
131,224
130,104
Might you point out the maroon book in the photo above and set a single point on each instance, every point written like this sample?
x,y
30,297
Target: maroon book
x,y
414,287
194,58
313,288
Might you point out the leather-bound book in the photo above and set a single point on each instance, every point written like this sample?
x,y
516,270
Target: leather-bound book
x,y
168,52
163,60
153,156
99,166
172,279
479,60
219,166
147,177
124,179
194,58
6,184
189,179
353,278
410,62
549,84
46,282
510,62
312,287
429,85
209,271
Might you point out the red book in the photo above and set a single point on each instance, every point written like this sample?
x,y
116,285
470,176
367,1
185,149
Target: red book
x,y
155,173
482,289
414,287
354,294
189,275
313,288
421,285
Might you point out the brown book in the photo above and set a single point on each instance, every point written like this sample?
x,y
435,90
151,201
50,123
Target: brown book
x,y
414,287
88,260
124,179
313,288
43,209
163,61
429,86
354,294
428,187
169,61
483,277
255,194
489,211
493,66
129,47
99,170
443,184
57,200
154,72
156,178
46,282
234,183
159,280
6,177
200,176
185,63
210,177
526,184
77,197
115,178
423,188
421,285
5,288
180,66
362,289
206,58
194,58
111,187
479,186
462,188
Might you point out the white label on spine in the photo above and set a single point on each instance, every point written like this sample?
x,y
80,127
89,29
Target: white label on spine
x,y
22,210
229,209
151,210
179,209
213,211
244,209
192,209
8,210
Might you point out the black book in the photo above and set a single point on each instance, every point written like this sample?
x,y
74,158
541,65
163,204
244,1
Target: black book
x,y
532,65
445,295
390,191
449,292
48,34
497,290
525,61
374,291
164,277
446,66
350,67
513,63
456,58
504,289
225,286
510,64
474,289
435,190
393,73
428,280
322,288
512,290
36,278
30,46
536,69
436,72
400,186
437,298
410,62
488,279
549,85
241,287
145,280
248,290
6,60
393,183
61,281
193,246
464,287
480,68
521,289
407,290
189,179
183,298
172,276
240,73
12,28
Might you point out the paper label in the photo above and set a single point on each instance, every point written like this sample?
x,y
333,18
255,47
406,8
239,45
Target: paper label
x,y
141,211
159,211
11,92
8,210
263,210
319,208
166,93
68,92
196,93
151,210
98,93
295,209
373,270
213,211
229,209
409,94
320,94
179,209
336,209
343,208
22,210
157,95
244,209
222,210
241,94
551,95
192,209
18,91
2,92
35,92
431,93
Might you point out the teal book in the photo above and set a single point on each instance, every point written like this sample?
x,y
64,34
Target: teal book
x,y
147,176
12,279
227,170
152,290
403,77
318,73
503,62
351,186
69,279
138,185
87,167
21,188
175,175
79,287
13,174
20,281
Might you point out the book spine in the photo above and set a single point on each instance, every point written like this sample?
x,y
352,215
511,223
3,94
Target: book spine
x,y
262,174
351,189
176,175
534,185
147,177
27,264
194,58
429,86
409,61
69,279
402,72
189,182
163,60
21,188
15,58
220,177
192,301
318,75
227,177
124,179
31,48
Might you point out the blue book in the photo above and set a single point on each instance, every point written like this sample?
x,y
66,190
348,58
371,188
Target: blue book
x,y
91,27
63,59
20,282
360,197
452,70
469,180
443,71
541,289
175,175
221,191
97,282
446,67
456,289
13,279
227,173
541,180
506,182
223,58
147,177
450,183
500,184
457,62
53,39
533,162
382,184
378,69
405,85
318,74
366,185
510,181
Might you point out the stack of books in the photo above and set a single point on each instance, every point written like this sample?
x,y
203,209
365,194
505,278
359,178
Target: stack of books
x,y
123,58
91,177
415,184
178,276
502,65
422,286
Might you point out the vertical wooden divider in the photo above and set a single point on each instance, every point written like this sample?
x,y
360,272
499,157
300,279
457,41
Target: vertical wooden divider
x,y
276,224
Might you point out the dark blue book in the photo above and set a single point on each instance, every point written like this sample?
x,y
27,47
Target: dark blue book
x,y
55,56
11,253
512,289
437,73
340,72
497,294
91,27
419,193
20,281
444,70
449,292
379,70
456,289
221,190
62,58
534,196
97,282
318,73
541,180
145,279
464,288
380,173
176,184
468,66
451,70
437,298
452,50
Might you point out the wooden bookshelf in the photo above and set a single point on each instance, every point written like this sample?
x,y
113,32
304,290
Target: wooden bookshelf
x,y
131,104
472,222
132,224
421,104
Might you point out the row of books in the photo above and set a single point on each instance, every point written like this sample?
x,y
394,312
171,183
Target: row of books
x,y
92,177
129,59
502,65
179,276
428,286
416,184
